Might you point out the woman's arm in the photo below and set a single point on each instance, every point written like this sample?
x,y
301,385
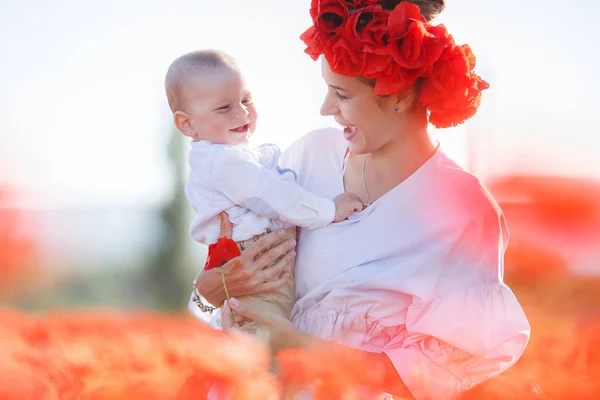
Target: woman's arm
x,y
248,274
473,328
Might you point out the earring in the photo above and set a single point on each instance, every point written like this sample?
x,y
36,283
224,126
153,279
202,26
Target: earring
x,y
396,109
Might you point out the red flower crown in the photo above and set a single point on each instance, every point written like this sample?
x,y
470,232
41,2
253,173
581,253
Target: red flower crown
x,y
396,47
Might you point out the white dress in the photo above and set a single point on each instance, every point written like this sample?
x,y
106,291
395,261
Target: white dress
x,y
417,275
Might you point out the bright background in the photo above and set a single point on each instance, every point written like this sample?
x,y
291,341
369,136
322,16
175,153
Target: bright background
x,y
85,120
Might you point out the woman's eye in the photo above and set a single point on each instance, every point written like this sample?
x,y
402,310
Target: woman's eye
x,y
339,96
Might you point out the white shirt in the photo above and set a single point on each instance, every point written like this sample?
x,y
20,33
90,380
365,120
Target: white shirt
x,y
249,186
417,275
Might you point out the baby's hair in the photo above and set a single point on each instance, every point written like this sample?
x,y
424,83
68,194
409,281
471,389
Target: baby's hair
x,y
190,66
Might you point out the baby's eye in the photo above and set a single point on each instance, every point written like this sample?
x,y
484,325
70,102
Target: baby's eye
x,y
247,102
224,108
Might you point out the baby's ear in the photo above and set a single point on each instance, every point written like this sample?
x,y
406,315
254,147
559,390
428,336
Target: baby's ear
x,y
183,124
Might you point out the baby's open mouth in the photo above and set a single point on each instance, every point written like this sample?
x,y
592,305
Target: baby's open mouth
x,y
241,129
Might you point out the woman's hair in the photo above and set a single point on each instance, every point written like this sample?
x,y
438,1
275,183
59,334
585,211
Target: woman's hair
x,y
429,8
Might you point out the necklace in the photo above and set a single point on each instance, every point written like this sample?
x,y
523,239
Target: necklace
x,y
369,202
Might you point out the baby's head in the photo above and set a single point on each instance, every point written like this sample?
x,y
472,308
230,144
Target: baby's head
x,y
209,98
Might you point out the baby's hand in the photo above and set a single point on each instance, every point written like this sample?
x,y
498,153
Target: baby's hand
x,y
346,203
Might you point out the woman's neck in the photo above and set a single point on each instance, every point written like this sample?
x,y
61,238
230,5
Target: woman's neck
x,y
399,159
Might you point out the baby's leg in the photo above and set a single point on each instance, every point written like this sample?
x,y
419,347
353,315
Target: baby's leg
x,y
279,301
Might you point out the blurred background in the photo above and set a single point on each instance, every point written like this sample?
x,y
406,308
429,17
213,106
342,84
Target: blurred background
x,y
89,153
92,209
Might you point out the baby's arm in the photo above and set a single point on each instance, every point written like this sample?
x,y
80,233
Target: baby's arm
x,y
237,175
345,204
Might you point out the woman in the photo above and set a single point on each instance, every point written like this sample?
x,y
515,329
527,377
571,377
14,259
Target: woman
x,y
414,282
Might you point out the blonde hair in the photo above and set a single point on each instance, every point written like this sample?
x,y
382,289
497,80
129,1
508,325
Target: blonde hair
x,y
191,66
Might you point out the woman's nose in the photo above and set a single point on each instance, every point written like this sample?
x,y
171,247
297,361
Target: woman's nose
x,y
328,107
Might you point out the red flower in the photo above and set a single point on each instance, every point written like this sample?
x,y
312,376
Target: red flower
x,y
367,28
396,79
402,17
414,46
396,48
341,58
17,247
194,387
451,92
366,32
359,3
219,253
315,40
328,15
374,65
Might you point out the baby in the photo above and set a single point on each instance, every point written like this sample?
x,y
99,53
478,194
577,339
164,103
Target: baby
x,y
212,106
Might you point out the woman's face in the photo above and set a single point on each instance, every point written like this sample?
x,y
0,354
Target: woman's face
x,y
368,120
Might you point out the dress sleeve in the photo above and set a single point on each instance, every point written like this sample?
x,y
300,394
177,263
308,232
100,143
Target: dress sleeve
x,y
472,329
242,179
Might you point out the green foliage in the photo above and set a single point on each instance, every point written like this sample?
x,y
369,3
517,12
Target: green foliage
x,y
166,280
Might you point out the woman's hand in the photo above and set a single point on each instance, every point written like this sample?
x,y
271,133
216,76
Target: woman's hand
x,y
283,334
248,274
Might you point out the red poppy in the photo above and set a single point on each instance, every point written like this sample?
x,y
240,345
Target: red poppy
x,y
328,15
359,3
368,27
340,58
452,92
414,46
17,246
396,48
219,253
315,40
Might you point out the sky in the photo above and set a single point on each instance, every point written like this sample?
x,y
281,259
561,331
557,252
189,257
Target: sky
x,y
84,119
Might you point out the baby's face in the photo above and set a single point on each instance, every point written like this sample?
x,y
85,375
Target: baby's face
x,y
220,107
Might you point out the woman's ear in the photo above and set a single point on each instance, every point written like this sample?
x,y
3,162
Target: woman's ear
x,y
184,124
405,100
